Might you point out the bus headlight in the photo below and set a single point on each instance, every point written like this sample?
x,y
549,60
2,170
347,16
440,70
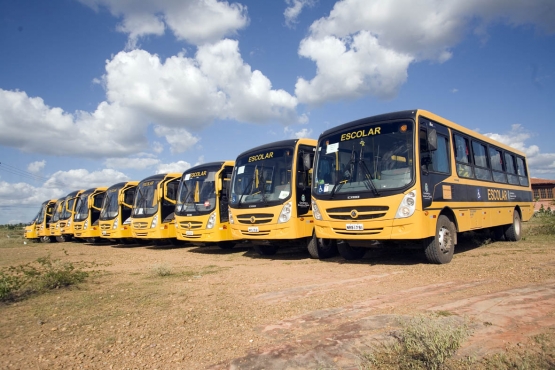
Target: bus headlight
x,y
69,223
115,226
85,225
407,206
154,222
285,214
230,216
211,221
316,211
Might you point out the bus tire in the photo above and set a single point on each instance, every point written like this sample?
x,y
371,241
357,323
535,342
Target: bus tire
x,y
45,239
322,248
350,253
513,232
440,249
63,238
226,245
266,250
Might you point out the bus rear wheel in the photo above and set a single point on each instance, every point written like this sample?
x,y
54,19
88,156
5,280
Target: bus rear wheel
x,y
322,248
63,238
350,253
440,249
266,250
513,231
45,239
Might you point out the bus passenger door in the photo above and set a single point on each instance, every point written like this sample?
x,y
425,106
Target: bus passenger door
x,y
305,158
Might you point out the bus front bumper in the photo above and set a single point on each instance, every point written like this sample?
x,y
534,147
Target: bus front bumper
x,y
396,229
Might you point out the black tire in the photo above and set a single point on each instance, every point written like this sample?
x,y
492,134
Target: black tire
x,y
226,245
440,249
63,238
93,240
513,232
322,248
350,253
45,239
266,250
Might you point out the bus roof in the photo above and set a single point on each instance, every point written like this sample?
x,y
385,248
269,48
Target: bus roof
x,y
282,143
204,165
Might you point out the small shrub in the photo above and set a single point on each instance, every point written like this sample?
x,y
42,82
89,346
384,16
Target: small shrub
x,y
162,271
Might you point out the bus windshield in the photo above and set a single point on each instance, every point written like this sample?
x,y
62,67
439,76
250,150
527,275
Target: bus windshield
x,y
67,209
262,179
40,216
197,191
58,209
146,199
82,207
369,159
110,204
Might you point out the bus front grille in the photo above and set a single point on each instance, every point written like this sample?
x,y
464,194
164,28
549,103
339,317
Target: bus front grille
x,y
140,235
140,225
197,236
258,218
190,225
260,233
77,227
105,227
357,213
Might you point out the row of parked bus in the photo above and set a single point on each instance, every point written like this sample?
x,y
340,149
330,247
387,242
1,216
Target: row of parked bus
x,y
398,177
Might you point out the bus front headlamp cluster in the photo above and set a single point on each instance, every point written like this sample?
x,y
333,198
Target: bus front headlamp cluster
x,y
211,221
230,217
115,226
85,225
407,206
285,214
154,222
316,211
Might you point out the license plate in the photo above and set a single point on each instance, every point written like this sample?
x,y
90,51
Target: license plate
x,y
188,233
104,233
253,229
355,227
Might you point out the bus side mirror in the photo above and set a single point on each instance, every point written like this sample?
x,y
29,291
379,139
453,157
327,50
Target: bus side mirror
x,y
432,140
307,164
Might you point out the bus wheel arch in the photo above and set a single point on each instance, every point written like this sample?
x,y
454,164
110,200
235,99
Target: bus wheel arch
x,y
513,231
439,249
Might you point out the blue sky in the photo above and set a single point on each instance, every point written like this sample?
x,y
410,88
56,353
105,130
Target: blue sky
x,y
93,92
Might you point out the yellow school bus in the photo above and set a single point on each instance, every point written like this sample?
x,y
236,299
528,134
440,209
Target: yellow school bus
x,y
54,224
41,228
87,214
66,218
30,231
152,218
116,210
201,212
270,195
415,176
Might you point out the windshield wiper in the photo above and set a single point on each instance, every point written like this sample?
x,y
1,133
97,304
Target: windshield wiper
x,y
193,202
244,192
339,183
368,175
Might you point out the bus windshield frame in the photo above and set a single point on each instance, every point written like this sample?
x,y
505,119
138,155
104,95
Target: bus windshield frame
x,y
82,207
197,191
263,179
146,199
365,161
58,210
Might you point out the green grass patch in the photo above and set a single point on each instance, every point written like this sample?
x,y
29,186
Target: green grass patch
x,y
39,276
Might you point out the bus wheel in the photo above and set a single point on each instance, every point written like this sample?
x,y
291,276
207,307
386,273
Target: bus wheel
x,y
350,253
45,239
321,248
226,245
440,248
513,231
266,250
62,238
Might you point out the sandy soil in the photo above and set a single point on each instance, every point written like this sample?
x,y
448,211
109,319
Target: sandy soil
x,y
234,309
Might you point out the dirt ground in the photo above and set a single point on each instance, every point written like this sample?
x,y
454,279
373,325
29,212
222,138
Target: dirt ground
x,y
203,307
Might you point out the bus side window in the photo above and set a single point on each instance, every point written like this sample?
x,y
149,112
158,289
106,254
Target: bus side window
x,y
462,157
483,171
438,160
511,169
496,161
521,170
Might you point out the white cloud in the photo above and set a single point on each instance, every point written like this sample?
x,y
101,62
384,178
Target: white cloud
x,y
192,92
36,167
378,40
294,9
111,130
179,167
179,139
83,179
302,133
195,21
